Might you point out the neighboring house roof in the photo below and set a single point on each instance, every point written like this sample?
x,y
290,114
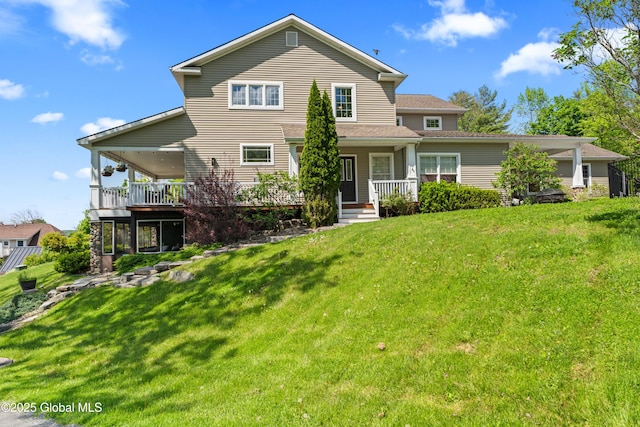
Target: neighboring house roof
x,y
426,104
192,66
355,131
32,233
590,152
17,256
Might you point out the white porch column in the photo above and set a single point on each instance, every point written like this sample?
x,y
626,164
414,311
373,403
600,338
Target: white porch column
x,y
293,160
578,181
96,180
412,169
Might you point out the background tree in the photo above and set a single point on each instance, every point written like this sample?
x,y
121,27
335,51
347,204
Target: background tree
x,y
526,169
320,161
529,104
605,41
484,115
562,116
27,216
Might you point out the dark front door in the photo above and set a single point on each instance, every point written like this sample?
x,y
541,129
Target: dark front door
x,y
348,178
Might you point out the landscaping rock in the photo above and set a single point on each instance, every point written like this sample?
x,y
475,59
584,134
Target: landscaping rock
x,y
180,276
162,266
148,281
126,277
197,257
145,271
176,264
5,362
56,299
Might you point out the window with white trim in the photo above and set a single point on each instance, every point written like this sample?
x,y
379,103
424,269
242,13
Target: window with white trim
x,y
107,237
256,154
160,235
381,166
586,174
291,38
256,95
5,243
20,243
398,120
432,122
439,167
344,101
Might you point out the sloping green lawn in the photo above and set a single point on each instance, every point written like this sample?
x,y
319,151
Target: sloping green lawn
x,y
519,316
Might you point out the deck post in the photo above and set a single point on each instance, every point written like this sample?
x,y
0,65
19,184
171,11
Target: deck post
x,y
578,181
96,182
412,168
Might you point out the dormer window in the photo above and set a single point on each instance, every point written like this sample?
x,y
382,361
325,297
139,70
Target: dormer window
x,y
344,102
256,95
432,123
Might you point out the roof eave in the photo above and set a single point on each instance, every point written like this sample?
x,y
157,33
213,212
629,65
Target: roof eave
x,y
410,110
87,141
290,20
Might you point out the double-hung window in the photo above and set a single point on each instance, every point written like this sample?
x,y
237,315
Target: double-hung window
x,y
256,154
344,102
439,167
381,166
256,95
432,122
586,174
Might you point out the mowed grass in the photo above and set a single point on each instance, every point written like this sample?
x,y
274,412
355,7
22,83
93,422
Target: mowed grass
x,y
47,277
518,316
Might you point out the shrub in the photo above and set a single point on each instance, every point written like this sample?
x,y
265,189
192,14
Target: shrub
x,y
54,242
443,196
131,262
212,211
398,204
319,212
35,259
73,262
21,304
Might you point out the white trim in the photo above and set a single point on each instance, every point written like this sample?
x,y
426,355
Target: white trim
x,y
355,171
391,160
438,155
399,121
590,178
264,105
160,240
424,122
287,21
291,39
354,101
243,163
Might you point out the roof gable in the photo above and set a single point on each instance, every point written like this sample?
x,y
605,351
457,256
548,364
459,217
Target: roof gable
x,y
426,103
28,232
192,66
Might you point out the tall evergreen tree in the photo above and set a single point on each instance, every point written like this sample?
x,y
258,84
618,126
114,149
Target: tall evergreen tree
x,y
484,115
320,161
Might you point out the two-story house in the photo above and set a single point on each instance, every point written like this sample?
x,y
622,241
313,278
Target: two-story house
x,y
245,108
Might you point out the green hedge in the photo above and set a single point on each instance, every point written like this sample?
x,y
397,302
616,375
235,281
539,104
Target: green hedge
x,y
443,196
73,262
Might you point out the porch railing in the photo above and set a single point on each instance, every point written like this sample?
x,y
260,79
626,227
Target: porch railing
x,y
384,188
374,197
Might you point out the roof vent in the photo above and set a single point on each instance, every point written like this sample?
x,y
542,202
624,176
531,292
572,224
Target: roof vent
x,y
291,38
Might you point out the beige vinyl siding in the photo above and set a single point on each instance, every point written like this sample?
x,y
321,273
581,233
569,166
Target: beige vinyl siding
x,y
168,133
479,162
416,121
221,130
599,172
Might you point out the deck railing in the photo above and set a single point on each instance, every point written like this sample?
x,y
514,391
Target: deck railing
x,y
174,193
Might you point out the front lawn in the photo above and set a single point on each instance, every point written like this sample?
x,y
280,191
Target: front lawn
x,y
508,316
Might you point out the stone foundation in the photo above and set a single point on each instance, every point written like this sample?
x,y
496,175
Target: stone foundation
x,y
95,247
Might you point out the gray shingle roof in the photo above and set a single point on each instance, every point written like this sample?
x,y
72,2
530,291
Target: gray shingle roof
x,y
426,102
296,131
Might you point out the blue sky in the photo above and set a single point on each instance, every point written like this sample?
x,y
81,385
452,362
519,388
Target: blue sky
x,y
69,68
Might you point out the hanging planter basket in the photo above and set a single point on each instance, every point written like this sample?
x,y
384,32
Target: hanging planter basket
x,y
121,167
107,171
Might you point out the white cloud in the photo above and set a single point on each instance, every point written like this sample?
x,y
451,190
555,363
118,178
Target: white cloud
x,y
9,22
455,23
10,90
84,173
47,118
91,59
87,21
101,124
533,58
60,176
